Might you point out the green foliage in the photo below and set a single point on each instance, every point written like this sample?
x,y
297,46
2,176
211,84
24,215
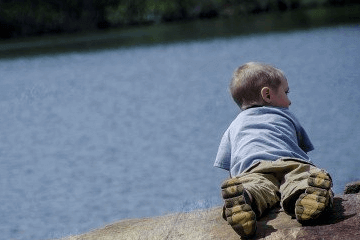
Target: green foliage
x,y
30,18
127,12
33,17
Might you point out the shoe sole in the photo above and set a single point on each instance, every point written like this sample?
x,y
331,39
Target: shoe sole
x,y
238,213
317,197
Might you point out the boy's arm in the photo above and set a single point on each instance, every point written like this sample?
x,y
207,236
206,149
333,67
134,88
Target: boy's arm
x,y
304,140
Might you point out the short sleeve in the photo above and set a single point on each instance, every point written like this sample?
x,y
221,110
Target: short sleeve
x,y
223,156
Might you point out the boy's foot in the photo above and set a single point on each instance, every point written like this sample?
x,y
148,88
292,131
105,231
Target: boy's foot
x,y
318,198
237,209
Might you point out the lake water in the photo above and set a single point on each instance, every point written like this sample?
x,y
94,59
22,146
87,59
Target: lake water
x,y
89,138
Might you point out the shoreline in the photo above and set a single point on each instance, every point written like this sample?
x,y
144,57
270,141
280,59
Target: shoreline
x,y
165,33
341,222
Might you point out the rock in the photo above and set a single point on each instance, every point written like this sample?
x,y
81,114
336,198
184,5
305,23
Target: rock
x,y
342,222
353,187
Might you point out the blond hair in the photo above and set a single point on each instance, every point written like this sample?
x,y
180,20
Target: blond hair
x,y
249,79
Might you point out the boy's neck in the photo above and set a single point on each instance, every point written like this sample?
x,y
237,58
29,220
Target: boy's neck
x,y
252,106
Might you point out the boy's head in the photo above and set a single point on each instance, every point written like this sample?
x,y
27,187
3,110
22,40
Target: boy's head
x,y
259,84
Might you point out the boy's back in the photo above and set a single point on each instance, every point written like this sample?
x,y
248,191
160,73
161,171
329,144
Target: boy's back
x,y
262,133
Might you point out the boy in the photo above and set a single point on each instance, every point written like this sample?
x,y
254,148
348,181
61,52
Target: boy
x,y
264,149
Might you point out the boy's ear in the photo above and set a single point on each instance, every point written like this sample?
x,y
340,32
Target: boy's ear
x,y
265,94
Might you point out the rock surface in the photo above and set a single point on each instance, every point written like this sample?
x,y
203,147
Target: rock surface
x,y
342,222
353,187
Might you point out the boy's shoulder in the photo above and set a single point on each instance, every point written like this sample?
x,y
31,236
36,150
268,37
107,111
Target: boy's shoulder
x,y
263,116
266,112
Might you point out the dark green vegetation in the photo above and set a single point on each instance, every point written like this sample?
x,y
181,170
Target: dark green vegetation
x,y
180,31
20,18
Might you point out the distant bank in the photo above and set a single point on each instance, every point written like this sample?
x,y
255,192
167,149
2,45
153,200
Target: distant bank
x,y
196,29
34,18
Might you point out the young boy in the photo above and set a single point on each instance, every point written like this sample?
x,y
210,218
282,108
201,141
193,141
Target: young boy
x,y
264,149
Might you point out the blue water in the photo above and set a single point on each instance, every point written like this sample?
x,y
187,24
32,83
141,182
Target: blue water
x,y
90,138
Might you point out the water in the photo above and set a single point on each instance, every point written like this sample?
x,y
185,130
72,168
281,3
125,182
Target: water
x,y
93,137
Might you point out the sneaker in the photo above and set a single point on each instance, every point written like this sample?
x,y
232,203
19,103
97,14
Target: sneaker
x,y
317,199
237,208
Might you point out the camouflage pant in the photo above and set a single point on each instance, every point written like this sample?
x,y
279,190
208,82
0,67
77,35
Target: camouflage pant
x,y
282,180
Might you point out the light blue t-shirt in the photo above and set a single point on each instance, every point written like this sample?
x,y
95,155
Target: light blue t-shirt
x,y
262,133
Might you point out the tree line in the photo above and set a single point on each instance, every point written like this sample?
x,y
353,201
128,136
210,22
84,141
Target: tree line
x,y
19,18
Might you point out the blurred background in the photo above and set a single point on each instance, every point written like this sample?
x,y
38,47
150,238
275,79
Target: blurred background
x,y
112,110
58,25
33,17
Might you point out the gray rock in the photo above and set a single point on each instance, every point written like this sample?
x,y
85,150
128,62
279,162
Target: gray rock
x,y
342,222
352,188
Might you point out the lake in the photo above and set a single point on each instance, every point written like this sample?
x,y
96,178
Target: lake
x,y
88,138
